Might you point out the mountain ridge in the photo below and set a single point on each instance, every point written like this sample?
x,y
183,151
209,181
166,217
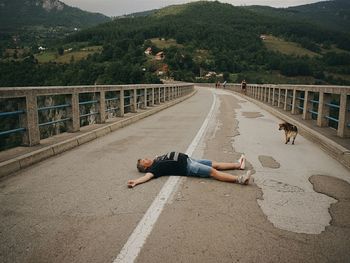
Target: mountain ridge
x,y
333,14
196,38
18,13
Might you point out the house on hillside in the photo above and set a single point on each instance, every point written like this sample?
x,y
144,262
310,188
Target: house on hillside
x,y
160,55
210,74
148,51
163,70
263,37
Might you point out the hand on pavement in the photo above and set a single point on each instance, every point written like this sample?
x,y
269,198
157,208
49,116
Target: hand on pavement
x,y
131,183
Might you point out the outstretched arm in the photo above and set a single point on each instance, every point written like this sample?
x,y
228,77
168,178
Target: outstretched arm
x,y
140,180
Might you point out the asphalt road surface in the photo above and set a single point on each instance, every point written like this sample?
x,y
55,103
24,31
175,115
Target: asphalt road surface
x,y
76,207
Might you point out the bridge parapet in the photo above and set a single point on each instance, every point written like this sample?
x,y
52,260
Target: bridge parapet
x,y
328,106
31,113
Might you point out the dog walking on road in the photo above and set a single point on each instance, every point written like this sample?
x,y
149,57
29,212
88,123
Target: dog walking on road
x,y
290,131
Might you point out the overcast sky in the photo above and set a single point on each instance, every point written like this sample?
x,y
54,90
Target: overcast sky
x,y
122,7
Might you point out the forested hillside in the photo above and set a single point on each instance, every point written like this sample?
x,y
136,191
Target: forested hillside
x,y
334,15
17,13
200,41
37,21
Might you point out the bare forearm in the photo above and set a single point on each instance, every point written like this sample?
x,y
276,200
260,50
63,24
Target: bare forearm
x,y
140,180
144,178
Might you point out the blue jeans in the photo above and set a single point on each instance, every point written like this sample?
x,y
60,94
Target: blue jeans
x,y
199,168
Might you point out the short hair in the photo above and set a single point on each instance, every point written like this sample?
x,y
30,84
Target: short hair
x,y
140,167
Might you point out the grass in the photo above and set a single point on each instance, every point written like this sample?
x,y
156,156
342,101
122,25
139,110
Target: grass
x,y
287,47
52,56
46,57
164,43
272,77
335,50
170,10
339,76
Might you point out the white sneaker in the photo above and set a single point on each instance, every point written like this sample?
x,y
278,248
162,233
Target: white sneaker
x,y
242,162
245,178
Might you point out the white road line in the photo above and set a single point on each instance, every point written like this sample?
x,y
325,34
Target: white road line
x,y
133,246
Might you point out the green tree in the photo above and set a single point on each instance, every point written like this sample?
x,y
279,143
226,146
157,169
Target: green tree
x,y
60,51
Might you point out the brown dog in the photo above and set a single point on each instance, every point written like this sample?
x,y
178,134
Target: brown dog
x,y
290,131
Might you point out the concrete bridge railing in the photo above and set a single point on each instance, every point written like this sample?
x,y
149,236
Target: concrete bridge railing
x,y
74,106
329,106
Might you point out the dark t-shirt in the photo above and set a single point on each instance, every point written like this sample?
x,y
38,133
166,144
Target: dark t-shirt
x,y
172,163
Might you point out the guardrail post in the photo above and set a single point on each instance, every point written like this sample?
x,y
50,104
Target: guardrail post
x,y
307,106
285,99
279,98
256,92
294,102
101,107
262,98
163,91
323,109
152,96
121,103
134,100
273,97
159,95
73,125
344,116
32,135
145,98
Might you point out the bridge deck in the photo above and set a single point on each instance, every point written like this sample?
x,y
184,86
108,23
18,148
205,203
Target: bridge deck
x,y
75,207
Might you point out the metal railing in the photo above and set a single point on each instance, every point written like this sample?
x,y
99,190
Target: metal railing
x,y
11,114
126,98
328,105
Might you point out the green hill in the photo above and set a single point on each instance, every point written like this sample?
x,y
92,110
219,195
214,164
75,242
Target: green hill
x,y
202,37
28,22
333,15
49,13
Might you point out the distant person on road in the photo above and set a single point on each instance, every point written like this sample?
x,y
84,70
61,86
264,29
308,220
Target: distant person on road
x,y
224,84
176,163
244,87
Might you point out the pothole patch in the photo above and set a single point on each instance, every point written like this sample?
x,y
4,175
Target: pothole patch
x,y
269,162
282,187
251,114
338,189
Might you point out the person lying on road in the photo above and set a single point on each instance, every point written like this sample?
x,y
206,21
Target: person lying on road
x,y
176,163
